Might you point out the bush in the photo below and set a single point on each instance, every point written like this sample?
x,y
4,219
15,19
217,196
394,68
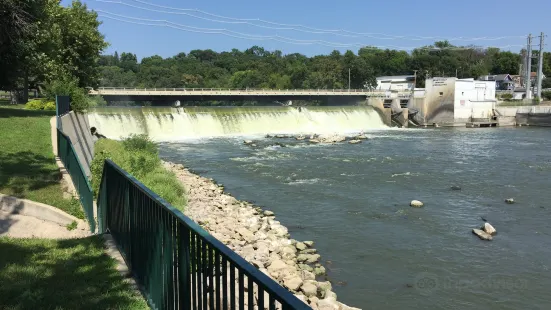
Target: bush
x,y
49,106
139,156
96,101
67,85
36,105
507,96
546,95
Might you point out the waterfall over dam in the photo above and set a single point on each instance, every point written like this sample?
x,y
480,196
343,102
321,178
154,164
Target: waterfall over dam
x,y
173,124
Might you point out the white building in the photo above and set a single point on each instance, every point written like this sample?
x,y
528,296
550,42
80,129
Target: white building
x,y
454,102
397,83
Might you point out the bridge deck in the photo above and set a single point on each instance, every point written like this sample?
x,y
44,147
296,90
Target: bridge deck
x,y
242,92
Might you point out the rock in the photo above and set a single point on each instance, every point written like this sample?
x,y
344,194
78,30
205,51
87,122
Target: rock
x,y
330,294
305,267
309,243
277,265
345,307
323,287
308,251
301,298
307,275
455,188
268,213
292,283
319,271
482,234
331,139
281,136
300,246
416,204
309,289
361,137
308,258
300,137
328,304
314,302
489,229
246,234
314,141
247,142
510,201
355,141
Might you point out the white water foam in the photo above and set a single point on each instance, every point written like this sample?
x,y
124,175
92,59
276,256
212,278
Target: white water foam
x,y
179,124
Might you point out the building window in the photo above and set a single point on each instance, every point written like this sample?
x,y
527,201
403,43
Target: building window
x,y
441,94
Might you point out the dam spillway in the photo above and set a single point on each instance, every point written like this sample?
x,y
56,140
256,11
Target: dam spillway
x,y
173,124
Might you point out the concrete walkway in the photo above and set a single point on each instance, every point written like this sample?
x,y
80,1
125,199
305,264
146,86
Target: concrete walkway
x,y
24,226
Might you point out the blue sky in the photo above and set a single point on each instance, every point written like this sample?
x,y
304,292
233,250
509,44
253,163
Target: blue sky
x,y
402,20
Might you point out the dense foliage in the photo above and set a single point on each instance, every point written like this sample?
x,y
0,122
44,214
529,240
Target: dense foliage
x,y
259,68
140,157
44,43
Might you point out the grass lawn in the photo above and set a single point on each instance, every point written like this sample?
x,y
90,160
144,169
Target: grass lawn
x,y
27,164
62,274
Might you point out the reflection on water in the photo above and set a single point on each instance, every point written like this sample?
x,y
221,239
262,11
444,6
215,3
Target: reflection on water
x,y
352,200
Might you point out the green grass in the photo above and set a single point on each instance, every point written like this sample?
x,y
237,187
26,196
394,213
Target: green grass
x,y
62,274
139,157
27,164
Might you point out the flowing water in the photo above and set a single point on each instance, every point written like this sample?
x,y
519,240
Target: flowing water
x,y
352,200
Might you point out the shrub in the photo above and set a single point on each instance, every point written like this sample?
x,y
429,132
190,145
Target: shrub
x,y
96,101
507,96
139,156
35,105
546,95
67,85
50,106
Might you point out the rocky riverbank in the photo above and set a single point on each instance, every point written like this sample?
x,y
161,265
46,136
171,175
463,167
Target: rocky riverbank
x,y
259,238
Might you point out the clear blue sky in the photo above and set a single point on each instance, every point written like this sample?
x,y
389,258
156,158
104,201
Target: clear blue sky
x,y
428,18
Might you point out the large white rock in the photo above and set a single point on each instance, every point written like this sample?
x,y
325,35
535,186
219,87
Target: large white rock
x,y
309,289
510,200
355,141
416,204
482,234
328,304
489,229
292,283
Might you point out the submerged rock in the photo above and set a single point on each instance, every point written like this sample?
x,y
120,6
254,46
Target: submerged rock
x,y
416,204
455,188
489,229
482,234
510,201
248,142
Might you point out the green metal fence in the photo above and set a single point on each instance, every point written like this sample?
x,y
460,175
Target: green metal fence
x,y
177,264
62,105
69,158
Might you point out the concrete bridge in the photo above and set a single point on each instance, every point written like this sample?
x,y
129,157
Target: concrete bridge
x,y
199,94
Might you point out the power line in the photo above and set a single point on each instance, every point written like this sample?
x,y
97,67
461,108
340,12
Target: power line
x,y
240,35
295,27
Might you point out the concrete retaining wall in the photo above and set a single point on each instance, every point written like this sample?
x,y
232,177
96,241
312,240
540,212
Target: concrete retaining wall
x,y
77,128
38,210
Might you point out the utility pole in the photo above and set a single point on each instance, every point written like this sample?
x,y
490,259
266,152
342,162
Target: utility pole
x,y
348,79
528,68
540,66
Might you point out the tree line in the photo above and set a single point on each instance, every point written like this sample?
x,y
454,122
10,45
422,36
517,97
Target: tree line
x,y
258,68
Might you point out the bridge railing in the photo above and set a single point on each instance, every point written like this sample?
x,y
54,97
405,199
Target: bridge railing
x,y
237,90
177,264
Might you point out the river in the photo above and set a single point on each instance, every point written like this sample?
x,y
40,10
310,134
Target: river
x,y
353,201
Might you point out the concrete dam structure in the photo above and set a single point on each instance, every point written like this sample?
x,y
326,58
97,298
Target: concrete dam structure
x,y
173,124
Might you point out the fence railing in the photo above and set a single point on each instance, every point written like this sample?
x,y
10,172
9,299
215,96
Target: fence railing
x,y
63,105
177,264
69,158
